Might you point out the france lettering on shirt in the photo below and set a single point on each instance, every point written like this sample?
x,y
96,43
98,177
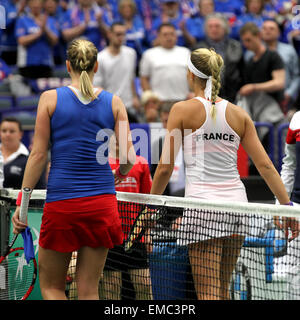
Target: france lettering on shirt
x,y
215,136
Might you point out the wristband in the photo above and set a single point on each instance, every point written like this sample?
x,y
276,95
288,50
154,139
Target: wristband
x,y
120,175
19,198
289,204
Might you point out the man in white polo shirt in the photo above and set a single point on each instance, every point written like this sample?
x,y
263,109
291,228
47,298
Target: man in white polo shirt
x,y
163,69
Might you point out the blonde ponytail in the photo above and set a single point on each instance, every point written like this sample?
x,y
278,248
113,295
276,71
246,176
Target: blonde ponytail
x,y
210,63
213,111
86,86
215,64
82,55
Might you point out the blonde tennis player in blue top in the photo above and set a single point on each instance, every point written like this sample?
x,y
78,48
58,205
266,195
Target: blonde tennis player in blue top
x,y
212,129
81,212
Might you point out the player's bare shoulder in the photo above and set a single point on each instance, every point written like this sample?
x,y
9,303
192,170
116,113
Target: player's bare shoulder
x,y
177,106
48,100
237,118
236,108
184,108
238,111
49,95
119,109
190,113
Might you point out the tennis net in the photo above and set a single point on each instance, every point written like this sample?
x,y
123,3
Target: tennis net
x,y
199,250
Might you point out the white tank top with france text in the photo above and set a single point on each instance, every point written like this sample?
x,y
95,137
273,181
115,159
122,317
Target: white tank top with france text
x,y
210,155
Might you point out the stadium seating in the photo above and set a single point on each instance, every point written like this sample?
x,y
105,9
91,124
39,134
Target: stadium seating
x,y
30,101
6,102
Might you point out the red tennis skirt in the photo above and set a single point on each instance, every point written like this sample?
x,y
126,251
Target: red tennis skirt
x,y
68,225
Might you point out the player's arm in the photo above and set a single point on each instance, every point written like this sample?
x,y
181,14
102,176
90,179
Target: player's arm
x,y
172,144
264,165
38,156
127,154
146,179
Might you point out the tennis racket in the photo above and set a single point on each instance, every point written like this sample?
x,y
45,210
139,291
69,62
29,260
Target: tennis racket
x,y
143,221
17,277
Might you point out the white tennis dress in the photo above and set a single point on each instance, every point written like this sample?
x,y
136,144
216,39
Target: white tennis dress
x,y
210,156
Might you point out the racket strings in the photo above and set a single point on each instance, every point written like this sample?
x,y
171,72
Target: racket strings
x,y
18,276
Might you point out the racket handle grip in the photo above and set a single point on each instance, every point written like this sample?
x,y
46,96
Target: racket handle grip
x,y
26,192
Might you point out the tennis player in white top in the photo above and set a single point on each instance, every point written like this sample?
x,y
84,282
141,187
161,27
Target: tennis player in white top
x,y
211,130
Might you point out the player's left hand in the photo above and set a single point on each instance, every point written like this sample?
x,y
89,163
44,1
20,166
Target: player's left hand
x,y
18,226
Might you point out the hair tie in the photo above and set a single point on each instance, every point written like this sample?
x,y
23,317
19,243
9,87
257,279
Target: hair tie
x,y
199,74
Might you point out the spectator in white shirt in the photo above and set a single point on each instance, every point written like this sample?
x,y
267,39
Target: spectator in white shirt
x,y
117,69
163,69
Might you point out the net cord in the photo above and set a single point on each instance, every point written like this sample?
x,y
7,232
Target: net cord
x,y
191,203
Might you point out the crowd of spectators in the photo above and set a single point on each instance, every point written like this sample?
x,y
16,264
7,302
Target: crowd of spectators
x,y
143,49
144,45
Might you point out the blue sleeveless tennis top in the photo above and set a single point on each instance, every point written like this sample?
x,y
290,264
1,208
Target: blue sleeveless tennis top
x,y
79,147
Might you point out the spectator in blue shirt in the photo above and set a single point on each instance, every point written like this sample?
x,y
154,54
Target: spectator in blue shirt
x,y
291,34
135,29
170,13
109,10
149,11
113,7
229,7
254,13
271,9
8,42
189,8
195,25
36,34
85,20
54,10
284,7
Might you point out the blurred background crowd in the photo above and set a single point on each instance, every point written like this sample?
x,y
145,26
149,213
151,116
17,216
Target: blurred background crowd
x,y
37,32
143,48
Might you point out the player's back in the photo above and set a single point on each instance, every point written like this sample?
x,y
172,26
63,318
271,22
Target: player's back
x,y
210,154
79,165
